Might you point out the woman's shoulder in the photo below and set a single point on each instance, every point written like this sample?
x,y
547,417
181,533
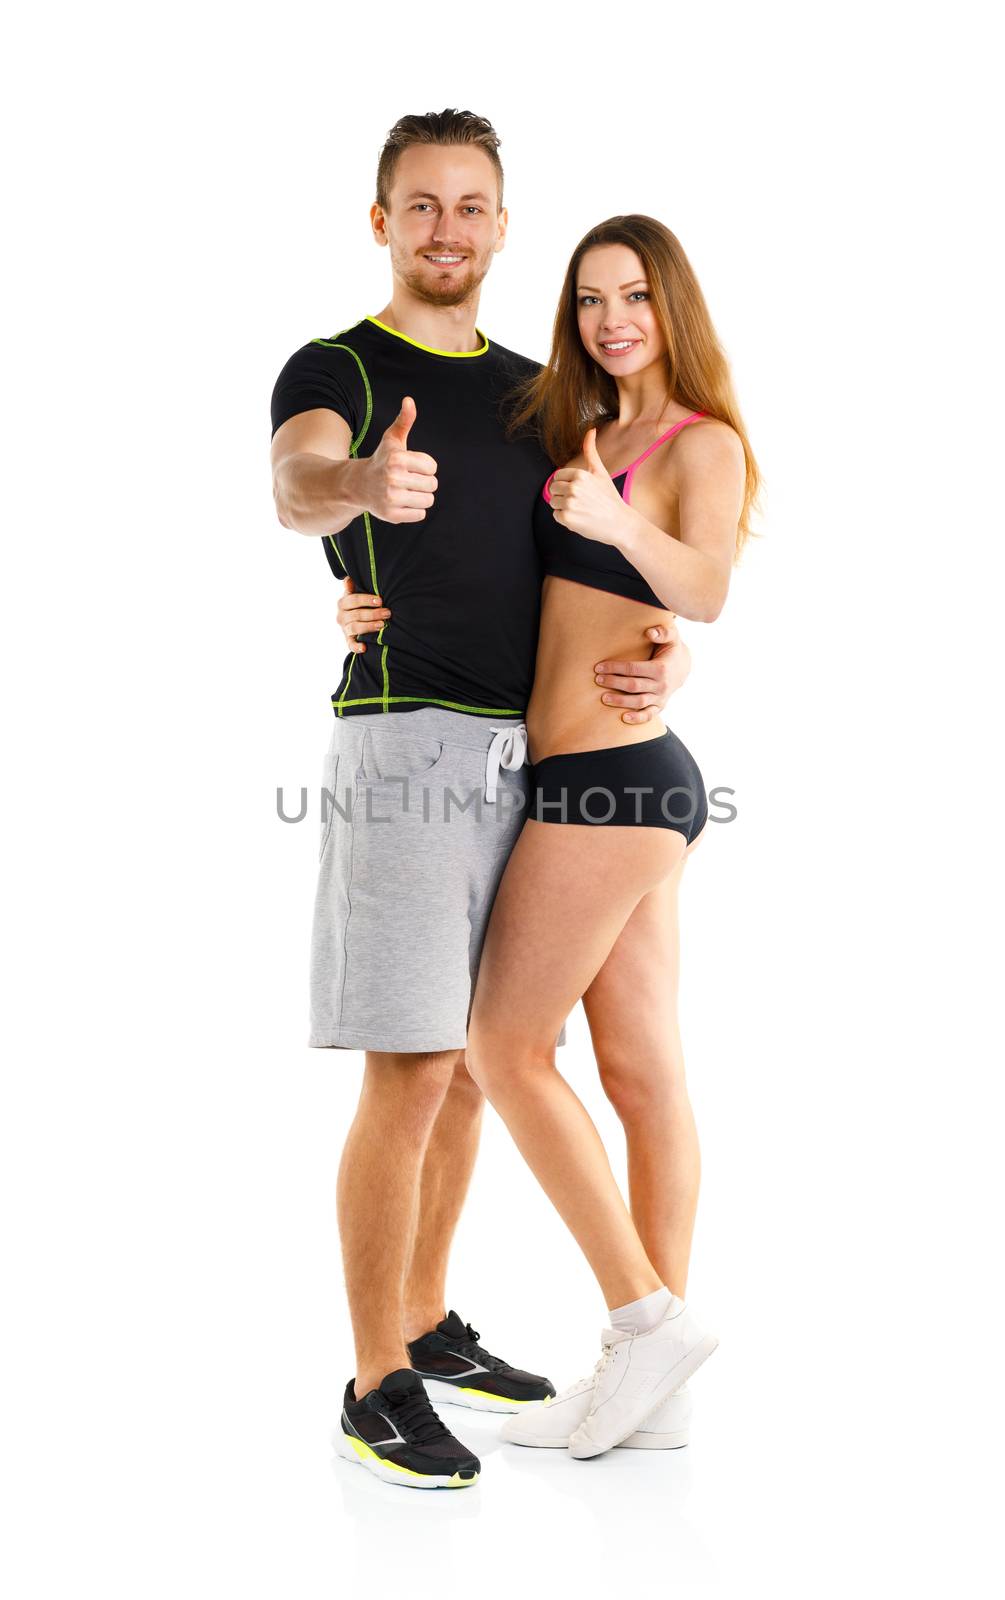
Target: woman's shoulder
x,y
707,444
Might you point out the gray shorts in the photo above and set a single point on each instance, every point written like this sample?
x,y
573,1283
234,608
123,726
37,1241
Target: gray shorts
x,y
418,820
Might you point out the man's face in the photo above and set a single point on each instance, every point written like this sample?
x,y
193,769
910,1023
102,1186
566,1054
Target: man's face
x,y
442,224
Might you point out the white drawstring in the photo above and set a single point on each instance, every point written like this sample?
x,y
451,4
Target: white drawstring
x,y
508,749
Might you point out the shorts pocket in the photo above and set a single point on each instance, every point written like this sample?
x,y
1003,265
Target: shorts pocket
x,y
390,757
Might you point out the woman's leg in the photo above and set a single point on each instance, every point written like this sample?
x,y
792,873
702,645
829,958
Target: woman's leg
x,y
631,1007
564,898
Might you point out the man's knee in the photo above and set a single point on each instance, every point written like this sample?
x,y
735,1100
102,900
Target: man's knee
x,y
463,1088
409,1089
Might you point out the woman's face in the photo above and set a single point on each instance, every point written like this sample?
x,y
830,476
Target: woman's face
x,y
616,321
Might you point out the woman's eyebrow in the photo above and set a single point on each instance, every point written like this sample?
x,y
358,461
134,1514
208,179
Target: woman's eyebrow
x,y
586,288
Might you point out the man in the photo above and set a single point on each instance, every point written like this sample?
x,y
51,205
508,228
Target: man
x,y
389,444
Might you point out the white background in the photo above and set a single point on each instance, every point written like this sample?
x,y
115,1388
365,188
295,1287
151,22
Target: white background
x,y
187,205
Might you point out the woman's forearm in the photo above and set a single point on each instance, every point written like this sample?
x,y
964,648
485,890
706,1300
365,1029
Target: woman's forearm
x,y
689,582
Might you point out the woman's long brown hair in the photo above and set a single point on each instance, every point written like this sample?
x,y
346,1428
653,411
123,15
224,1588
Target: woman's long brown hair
x,y
572,393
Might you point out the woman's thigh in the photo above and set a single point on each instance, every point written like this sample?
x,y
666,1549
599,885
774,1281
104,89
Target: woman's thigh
x,y
564,898
631,1005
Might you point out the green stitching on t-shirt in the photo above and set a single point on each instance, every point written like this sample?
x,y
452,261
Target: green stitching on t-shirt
x,y
361,435
421,699
348,679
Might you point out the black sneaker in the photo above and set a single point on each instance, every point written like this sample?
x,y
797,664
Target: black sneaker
x,y
453,1366
395,1432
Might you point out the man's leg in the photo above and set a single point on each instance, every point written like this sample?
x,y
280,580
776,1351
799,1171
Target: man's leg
x,y
446,1173
378,1197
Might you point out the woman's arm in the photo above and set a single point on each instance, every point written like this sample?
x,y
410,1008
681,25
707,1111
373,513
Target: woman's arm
x,y
690,574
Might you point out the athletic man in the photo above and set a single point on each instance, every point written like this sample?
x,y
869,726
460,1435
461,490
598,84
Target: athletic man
x,y
389,444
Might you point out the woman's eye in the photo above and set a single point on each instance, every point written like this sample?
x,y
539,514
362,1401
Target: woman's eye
x,y
638,294
587,299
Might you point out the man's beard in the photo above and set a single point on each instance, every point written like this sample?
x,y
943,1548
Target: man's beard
x,y
450,290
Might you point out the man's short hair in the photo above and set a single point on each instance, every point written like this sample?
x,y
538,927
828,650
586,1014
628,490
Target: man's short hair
x,y
436,127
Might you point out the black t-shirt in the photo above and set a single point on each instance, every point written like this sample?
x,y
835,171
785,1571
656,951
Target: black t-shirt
x,y
464,584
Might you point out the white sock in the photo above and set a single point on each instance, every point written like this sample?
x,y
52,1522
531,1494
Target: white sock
x,y
641,1316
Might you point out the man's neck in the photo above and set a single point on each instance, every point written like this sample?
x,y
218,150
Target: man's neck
x,y
450,328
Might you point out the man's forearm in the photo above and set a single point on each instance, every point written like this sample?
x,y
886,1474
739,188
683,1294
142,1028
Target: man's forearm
x,y
316,495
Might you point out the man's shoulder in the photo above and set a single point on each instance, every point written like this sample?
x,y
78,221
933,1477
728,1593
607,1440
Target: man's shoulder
x,y
346,343
350,335
324,372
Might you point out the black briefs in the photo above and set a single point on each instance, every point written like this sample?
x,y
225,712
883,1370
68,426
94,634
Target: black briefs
x,y
655,784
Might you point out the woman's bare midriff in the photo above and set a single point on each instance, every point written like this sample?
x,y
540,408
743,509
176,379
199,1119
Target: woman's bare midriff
x,y
579,627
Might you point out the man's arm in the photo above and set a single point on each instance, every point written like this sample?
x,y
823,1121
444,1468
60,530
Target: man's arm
x,y
318,489
644,687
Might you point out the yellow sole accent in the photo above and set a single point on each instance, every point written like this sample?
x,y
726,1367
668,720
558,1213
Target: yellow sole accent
x,y
503,1399
363,1450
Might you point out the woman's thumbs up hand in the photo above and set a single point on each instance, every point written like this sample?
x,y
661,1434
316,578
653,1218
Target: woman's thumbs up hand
x,y
585,499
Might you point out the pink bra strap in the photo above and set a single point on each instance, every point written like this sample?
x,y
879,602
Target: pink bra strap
x,y
631,471
628,473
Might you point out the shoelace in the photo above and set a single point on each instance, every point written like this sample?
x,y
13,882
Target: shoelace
x,y
416,1416
599,1369
585,1383
472,1349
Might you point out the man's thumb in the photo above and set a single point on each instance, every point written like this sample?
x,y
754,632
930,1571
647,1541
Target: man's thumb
x,y
403,421
592,454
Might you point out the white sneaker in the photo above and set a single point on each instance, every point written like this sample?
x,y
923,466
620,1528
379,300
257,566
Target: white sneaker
x,y
636,1373
550,1424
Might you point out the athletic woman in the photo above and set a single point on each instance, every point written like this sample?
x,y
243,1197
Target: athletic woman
x,y
649,511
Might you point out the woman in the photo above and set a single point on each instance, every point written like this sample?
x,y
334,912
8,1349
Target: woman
x,y
587,906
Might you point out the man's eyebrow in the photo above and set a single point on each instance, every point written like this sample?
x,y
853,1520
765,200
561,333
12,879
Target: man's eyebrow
x,y
583,288
424,194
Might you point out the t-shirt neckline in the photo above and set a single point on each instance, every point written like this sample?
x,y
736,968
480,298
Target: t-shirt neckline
x,y
452,355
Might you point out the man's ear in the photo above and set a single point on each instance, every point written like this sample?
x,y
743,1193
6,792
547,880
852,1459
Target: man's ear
x,y
503,225
377,223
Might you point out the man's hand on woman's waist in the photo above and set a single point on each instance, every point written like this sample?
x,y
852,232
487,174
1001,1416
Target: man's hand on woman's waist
x,y
642,688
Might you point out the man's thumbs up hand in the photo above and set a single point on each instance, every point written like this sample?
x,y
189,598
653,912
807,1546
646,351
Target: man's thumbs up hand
x,y
399,484
402,423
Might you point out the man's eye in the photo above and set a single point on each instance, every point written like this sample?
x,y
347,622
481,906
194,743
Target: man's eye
x,y
472,208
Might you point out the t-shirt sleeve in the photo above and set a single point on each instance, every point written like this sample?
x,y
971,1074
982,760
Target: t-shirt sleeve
x,y
320,375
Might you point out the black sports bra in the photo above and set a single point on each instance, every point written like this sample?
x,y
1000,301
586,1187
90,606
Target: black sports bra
x,y
600,566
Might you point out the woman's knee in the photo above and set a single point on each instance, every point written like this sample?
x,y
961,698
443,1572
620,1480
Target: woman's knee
x,y
641,1085
499,1058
